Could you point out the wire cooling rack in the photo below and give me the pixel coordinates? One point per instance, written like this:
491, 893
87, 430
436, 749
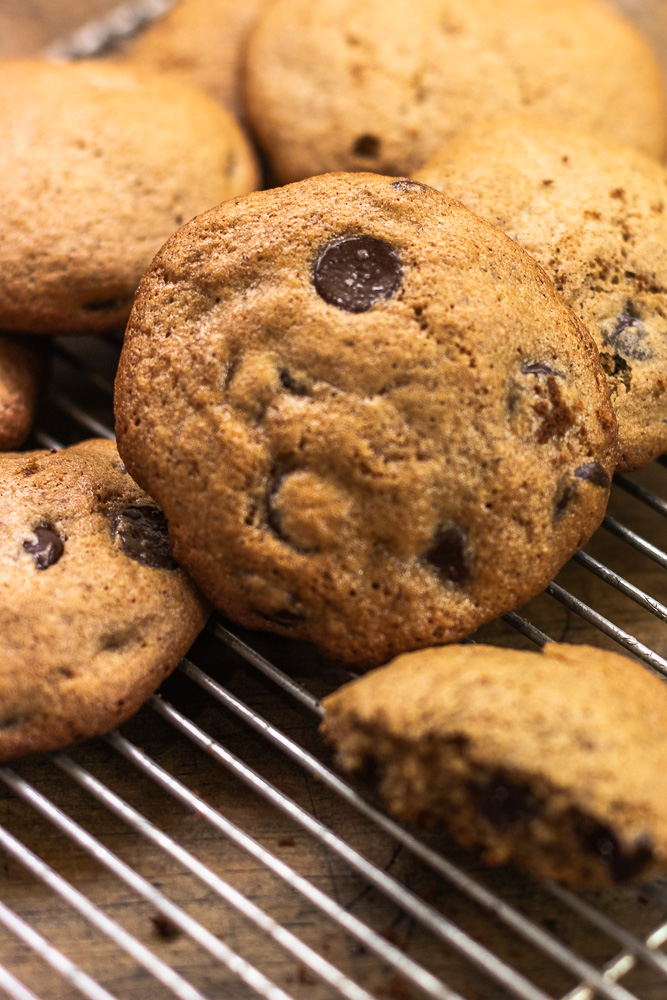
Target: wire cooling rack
210, 849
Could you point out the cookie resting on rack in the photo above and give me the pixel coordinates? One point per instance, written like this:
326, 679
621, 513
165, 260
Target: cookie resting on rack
371, 85
94, 611
23, 369
98, 166
594, 214
555, 761
370, 419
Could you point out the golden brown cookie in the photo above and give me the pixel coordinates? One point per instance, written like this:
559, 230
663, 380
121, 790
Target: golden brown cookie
371, 420
555, 761
204, 42
22, 372
98, 166
94, 612
371, 85
595, 216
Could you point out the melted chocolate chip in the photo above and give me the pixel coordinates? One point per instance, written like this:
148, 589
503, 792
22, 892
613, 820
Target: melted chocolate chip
505, 802
593, 473
538, 368
144, 536
355, 272
292, 385
628, 336
449, 554
565, 499
48, 547
625, 861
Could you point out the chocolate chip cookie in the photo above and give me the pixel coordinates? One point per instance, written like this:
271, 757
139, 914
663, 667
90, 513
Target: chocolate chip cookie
595, 216
94, 612
23, 370
555, 761
204, 42
370, 419
98, 166
372, 85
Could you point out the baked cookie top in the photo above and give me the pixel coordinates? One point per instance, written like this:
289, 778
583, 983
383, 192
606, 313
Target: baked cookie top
369, 417
371, 85
94, 612
22, 371
98, 166
595, 216
554, 760
204, 42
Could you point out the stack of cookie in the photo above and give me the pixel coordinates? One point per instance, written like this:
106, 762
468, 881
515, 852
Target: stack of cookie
380, 402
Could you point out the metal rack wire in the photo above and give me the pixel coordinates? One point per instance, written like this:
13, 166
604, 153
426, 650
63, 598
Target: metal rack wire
211, 850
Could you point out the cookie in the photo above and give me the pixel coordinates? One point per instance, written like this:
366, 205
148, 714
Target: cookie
22, 372
94, 612
379, 86
98, 166
370, 419
555, 761
595, 216
203, 41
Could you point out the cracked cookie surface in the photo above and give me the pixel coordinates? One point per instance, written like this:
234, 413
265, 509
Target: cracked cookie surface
595, 216
369, 417
94, 612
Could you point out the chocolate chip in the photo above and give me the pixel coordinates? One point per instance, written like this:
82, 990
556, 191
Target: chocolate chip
625, 861
292, 385
504, 801
564, 500
48, 547
449, 554
144, 536
538, 368
628, 335
355, 272
593, 473
165, 927
367, 146
403, 184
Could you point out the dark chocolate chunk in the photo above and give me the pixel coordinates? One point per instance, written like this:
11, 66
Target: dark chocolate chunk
504, 801
594, 473
565, 499
625, 860
628, 335
538, 368
47, 548
449, 554
144, 536
355, 272
292, 385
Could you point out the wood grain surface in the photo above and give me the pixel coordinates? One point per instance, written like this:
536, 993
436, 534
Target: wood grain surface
28, 26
